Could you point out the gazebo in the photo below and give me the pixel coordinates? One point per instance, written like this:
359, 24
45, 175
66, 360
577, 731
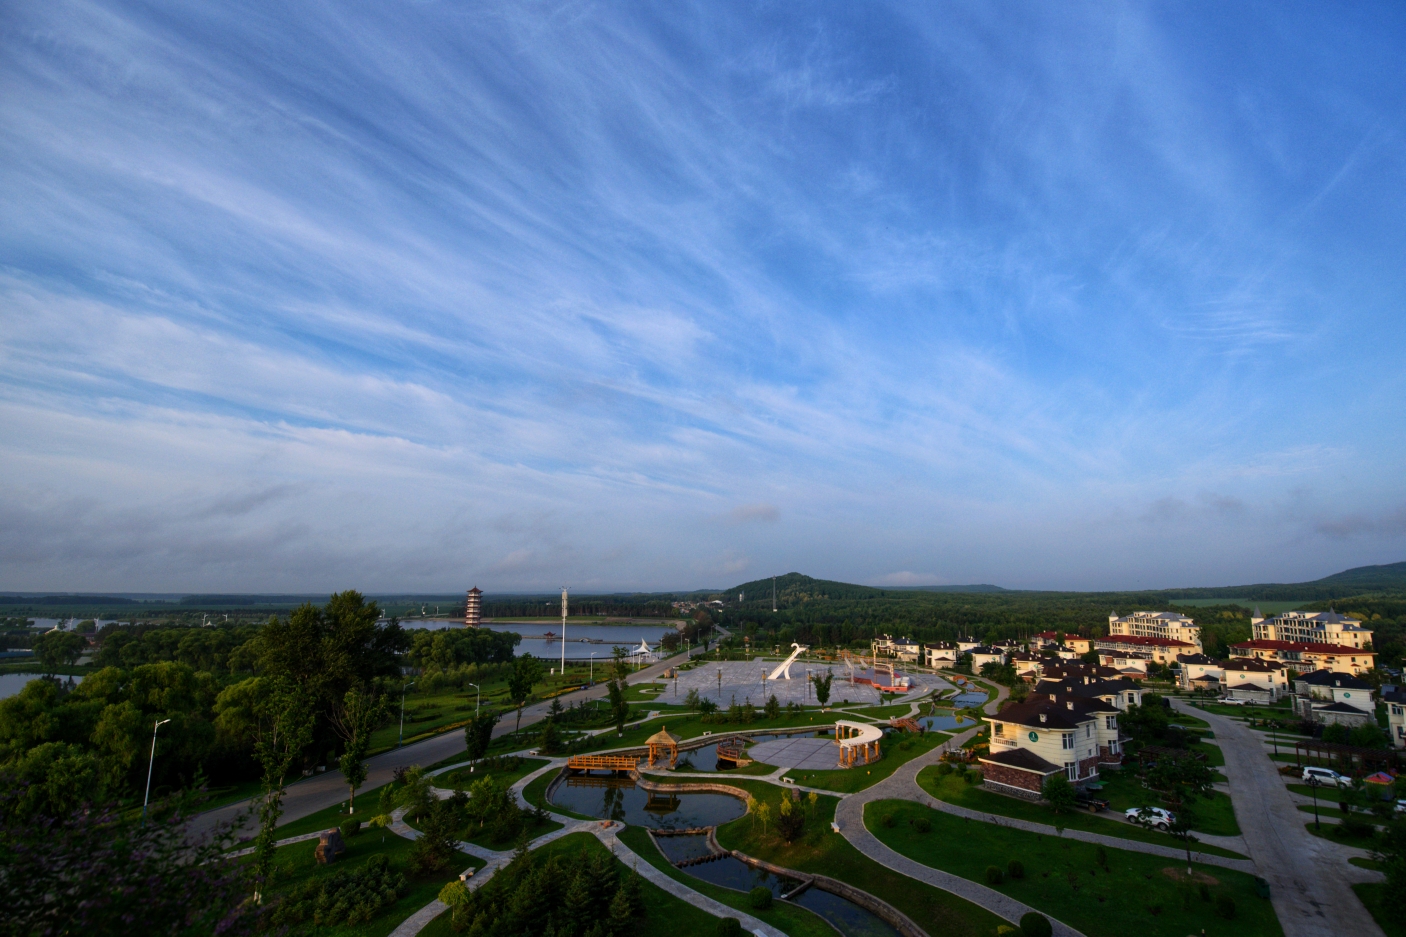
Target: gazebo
661, 742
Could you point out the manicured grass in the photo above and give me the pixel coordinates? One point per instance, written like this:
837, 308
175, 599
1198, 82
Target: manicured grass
1064, 879
1111, 823
532, 831
818, 850
1373, 897
297, 863
1326, 794
1323, 810
883, 712
1372, 864
326, 818
898, 751
1333, 831
1214, 756
461, 778
233, 794
788, 918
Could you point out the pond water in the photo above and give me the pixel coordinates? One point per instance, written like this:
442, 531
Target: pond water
967, 699
846, 917
621, 799
581, 640
947, 722
12, 683
706, 758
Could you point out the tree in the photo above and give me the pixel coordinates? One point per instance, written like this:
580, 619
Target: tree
615, 689
354, 720
790, 820
1183, 818
284, 728
1058, 793
822, 687
773, 708
78, 874
478, 734
56, 649
1390, 851
526, 672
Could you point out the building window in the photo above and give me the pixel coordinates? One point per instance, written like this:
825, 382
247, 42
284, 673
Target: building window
1066, 740
1000, 728
1071, 768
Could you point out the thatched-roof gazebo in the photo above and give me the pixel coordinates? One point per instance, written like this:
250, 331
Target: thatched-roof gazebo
661, 742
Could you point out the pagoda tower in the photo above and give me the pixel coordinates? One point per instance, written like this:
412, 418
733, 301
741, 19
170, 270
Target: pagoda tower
473, 607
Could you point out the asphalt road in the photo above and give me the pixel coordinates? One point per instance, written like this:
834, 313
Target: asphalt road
1311, 894
309, 795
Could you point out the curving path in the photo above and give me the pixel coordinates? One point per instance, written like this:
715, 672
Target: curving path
1310, 891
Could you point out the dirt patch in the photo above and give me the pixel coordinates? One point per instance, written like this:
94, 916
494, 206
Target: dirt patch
1178, 874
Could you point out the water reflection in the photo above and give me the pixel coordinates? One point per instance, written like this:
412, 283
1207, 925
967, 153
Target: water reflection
944, 722
962, 700
622, 799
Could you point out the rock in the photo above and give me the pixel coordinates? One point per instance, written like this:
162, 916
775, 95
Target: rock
329, 846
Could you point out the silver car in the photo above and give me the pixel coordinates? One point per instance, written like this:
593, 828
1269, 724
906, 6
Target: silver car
1153, 817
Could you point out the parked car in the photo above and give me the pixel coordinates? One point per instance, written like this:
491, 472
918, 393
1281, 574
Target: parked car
1089, 802
1154, 817
1325, 776
1228, 701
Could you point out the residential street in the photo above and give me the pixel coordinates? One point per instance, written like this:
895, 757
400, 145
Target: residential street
310, 795
1310, 891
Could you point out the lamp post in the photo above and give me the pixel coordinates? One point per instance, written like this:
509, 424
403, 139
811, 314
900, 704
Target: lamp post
402, 713
592, 680
150, 763
478, 697
1313, 785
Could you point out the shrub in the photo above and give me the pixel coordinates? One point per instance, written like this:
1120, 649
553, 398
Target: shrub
1058, 793
1034, 924
759, 897
1225, 906
944, 768
350, 828
921, 824
1015, 869
993, 875
1356, 825
888, 821
1204, 892
344, 897
729, 927
972, 777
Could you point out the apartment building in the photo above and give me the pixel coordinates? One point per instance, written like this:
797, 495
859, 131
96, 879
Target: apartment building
1046, 735
1199, 672
1161, 650
1073, 642
1172, 625
1311, 628
1309, 655
1259, 680
940, 654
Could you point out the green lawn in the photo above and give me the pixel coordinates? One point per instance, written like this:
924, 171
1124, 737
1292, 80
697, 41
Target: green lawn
898, 751
1334, 832
1373, 895
1214, 756
463, 777
326, 818
1323, 810
531, 830
788, 918
1064, 878
1110, 823
818, 850
297, 863
883, 712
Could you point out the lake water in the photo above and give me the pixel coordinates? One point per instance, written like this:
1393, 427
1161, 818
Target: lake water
947, 722
846, 917
967, 699
613, 798
581, 640
12, 683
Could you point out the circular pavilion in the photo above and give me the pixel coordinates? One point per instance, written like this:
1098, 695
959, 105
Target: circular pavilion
661, 743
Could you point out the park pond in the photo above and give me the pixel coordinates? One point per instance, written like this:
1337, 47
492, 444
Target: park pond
612, 798
963, 700
729, 872
706, 758
946, 722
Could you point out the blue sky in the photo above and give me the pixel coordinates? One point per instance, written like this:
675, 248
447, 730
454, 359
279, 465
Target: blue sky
422, 295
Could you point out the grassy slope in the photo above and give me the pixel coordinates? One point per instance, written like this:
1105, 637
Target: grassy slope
296, 863
1063, 877
793, 920
1373, 896
663, 913
821, 851
463, 777
955, 791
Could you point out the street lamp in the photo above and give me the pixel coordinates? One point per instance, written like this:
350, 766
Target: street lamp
402, 713
478, 697
150, 763
592, 680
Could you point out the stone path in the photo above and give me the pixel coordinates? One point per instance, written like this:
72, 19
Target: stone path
816, 754
1311, 893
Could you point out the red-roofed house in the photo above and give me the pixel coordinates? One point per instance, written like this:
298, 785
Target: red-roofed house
1303, 656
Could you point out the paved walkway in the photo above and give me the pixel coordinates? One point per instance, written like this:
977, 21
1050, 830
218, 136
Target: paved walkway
1310, 891
309, 795
818, 754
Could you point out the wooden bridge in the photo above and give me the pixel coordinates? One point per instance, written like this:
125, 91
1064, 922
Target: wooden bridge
906, 723
603, 762
732, 750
